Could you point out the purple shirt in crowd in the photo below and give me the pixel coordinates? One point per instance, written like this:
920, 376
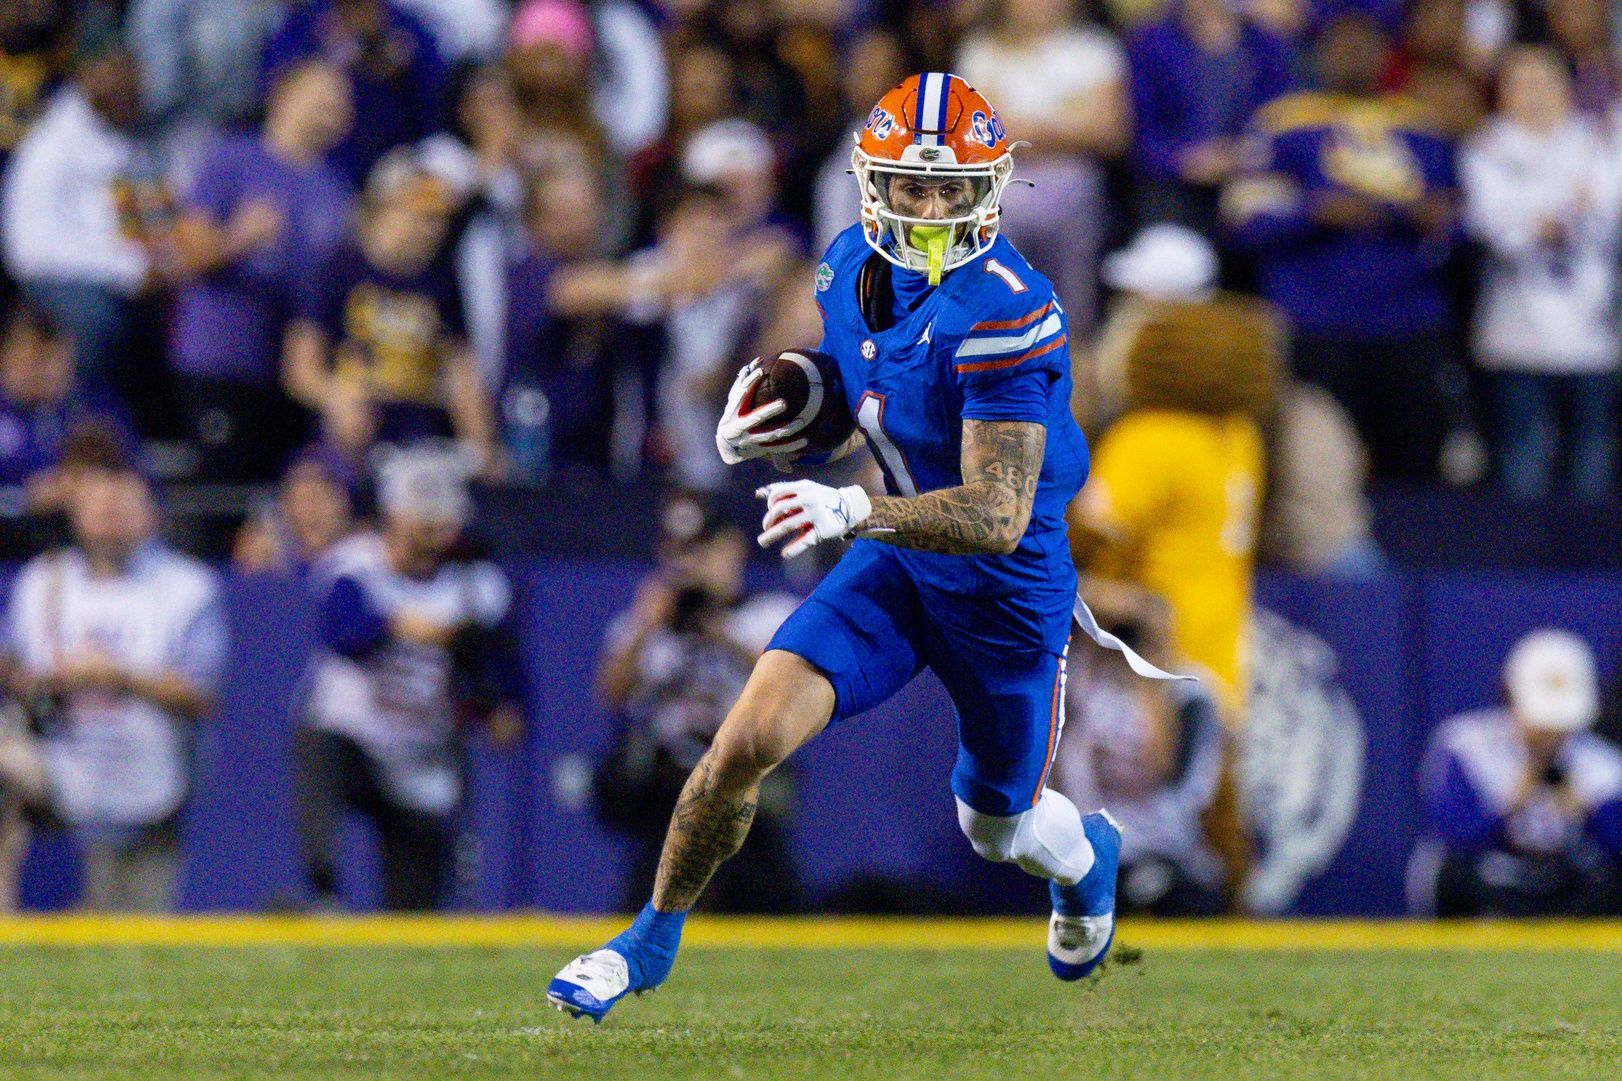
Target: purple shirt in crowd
1182, 95
31, 436
228, 325
567, 359
393, 332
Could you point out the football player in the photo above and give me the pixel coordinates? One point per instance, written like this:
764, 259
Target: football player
952, 353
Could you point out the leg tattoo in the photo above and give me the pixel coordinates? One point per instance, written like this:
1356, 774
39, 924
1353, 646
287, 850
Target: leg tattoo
709, 825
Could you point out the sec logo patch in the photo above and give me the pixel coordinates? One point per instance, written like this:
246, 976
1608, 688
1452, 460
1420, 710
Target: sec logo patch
869, 350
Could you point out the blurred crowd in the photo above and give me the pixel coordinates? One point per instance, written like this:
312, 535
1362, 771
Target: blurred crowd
114, 647
236, 229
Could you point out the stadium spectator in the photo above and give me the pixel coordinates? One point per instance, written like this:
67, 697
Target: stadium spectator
378, 347
117, 644
415, 640
199, 65
1316, 517
702, 91
86, 207
1060, 84
549, 50
1544, 193
930, 31
479, 160
1582, 30
717, 282
42, 405
1197, 75
263, 216
626, 81
1152, 752
1524, 802
671, 666
394, 65
875, 60
34, 40
1164, 263
591, 82
1348, 205
561, 345
1433, 63
737, 159
312, 511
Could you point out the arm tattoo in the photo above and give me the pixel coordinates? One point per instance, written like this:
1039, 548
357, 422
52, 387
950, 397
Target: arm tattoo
707, 827
988, 512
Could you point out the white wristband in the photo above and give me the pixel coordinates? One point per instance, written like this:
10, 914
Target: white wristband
858, 504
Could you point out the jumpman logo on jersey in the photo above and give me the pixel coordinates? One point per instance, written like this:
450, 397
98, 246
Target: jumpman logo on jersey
928, 327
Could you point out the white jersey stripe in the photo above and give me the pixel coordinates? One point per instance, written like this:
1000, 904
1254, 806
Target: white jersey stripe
981, 347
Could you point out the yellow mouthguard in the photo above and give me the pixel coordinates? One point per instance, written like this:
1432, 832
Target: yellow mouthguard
932, 239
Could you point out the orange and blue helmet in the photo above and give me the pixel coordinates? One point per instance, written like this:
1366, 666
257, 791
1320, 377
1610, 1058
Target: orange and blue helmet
936, 127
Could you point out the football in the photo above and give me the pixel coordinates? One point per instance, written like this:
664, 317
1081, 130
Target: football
809, 382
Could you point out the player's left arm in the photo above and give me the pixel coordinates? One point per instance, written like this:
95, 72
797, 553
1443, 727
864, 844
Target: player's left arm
987, 513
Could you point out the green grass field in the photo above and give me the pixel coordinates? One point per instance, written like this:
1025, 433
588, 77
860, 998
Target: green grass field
266, 1012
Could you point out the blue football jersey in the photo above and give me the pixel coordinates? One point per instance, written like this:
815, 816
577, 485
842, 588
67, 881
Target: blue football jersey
988, 343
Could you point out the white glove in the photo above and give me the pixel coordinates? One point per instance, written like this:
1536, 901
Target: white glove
737, 436
810, 513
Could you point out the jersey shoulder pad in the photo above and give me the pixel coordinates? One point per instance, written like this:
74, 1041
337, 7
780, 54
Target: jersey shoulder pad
1004, 316
849, 249
998, 285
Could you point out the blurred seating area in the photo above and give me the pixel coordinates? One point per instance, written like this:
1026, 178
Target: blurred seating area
550, 231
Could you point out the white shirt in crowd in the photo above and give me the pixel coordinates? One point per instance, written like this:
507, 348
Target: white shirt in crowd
631, 95
464, 30
1040, 79
118, 760
701, 335
60, 216
1491, 752
1545, 307
396, 703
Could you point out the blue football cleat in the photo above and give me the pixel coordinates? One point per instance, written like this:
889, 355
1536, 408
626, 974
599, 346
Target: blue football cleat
1083, 923
589, 986
635, 961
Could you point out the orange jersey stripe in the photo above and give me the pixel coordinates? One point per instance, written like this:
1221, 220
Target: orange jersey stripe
993, 365
1013, 324
1053, 734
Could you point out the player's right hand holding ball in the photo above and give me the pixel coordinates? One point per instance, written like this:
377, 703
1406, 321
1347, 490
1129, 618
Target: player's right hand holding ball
741, 435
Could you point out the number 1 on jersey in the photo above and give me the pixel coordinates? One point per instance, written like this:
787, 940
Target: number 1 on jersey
1009, 278
870, 418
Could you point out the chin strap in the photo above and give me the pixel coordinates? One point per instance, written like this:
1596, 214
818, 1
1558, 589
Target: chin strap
931, 240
